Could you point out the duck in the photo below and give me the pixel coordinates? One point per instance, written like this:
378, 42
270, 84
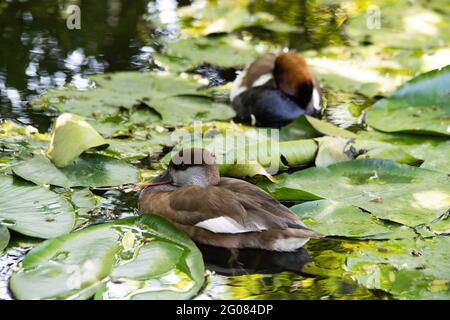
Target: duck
274, 90
220, 211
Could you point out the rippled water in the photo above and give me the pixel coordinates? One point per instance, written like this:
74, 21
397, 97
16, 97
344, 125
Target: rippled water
38, 52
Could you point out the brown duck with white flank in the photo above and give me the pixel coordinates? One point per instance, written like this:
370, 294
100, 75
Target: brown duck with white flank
221, 212
274, 90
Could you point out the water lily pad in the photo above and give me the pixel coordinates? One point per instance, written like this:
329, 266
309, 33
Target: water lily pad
400, 193
337, 219
163, 92
33, 211
420, 106
407, 268
227, 16
4, 237
309, 127
332, 150
88, 170
71, 136
434, 150
84, 201
155, 262
222, 51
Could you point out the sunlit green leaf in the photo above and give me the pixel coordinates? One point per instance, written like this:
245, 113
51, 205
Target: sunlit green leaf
338, 219
71, 136
421, 106
400, 193
88, 170
4, 237
408, 268
161, 263
33, 211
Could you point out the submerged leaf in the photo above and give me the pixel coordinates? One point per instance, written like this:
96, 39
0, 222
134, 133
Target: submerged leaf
71, 136
161, 263
88, 170
32, 210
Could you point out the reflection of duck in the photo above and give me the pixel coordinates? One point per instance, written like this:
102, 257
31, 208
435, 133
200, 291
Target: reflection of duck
275, 90
221, 212
226, 262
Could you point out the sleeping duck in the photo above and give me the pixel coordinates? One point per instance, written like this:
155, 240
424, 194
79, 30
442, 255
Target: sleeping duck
218, 211
274, 90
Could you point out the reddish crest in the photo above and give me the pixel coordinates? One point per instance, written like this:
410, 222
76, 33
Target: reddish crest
293, 76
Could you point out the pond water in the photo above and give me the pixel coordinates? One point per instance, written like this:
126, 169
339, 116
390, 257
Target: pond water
38, 51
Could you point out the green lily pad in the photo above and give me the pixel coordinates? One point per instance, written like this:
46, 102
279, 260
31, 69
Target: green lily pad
163, 92
332, 150
337, 219
133, 258
88, 170
407, 268
309, 127
71, 136
4, 237
227, 16
434, 150
399, 193
222, 51
419, 106
33, 211
84, 201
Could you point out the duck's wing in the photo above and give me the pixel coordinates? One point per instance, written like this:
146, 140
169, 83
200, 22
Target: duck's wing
258, 73
264, 203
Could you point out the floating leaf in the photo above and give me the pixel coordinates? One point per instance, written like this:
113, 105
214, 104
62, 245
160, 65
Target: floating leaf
420, 106
227, 16
72, 136
88, 170
163, 92
162, 263
222, 51
337, 219
309, 127
84, 201
407, 268
4, 237
434, 150
400, 193
32, 210
332, 150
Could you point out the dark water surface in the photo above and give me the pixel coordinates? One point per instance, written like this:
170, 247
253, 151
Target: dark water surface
38, 51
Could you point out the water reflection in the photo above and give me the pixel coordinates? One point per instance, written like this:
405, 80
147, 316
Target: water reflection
38, 51
245, 261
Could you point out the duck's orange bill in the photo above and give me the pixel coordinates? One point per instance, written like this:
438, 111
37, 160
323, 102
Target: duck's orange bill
155, 183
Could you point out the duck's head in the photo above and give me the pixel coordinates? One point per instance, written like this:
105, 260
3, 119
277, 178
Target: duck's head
189, 167
293, 77
194, 166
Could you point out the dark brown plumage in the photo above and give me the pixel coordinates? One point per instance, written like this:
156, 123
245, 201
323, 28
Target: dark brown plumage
274, 90
253, 218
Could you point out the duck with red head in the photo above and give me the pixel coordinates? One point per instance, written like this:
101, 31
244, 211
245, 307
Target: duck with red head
274, 90
218, 211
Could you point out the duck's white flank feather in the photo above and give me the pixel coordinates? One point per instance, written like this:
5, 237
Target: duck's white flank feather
289, 244
226, 225
262, 79
315, 100
237, 88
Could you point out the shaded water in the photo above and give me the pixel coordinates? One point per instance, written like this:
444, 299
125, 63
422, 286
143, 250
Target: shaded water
38, 52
